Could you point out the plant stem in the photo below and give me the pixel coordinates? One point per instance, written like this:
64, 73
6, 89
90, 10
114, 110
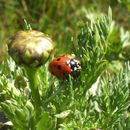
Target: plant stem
33, 83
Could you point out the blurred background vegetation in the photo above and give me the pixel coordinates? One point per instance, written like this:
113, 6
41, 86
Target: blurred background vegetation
58, 18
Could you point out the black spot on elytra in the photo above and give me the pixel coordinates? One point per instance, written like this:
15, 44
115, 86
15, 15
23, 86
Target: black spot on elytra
58, 59
63, 73
59, 67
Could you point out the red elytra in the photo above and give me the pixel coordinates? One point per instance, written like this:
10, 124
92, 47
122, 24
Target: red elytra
64, 65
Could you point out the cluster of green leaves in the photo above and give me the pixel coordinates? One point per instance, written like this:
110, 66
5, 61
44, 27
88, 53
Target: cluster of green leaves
72, 103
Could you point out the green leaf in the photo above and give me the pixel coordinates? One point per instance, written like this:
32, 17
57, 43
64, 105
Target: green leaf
63, 114
45, 123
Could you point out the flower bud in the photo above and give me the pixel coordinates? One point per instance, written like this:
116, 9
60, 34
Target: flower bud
31, 48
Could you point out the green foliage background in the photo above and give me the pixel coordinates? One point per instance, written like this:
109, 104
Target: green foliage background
98, 36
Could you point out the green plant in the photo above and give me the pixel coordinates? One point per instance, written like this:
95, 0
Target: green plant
71, 103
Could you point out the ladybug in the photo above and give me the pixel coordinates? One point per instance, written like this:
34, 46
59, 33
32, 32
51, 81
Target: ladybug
64, 65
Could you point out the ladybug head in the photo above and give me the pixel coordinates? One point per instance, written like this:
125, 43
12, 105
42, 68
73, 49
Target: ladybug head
75, 67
